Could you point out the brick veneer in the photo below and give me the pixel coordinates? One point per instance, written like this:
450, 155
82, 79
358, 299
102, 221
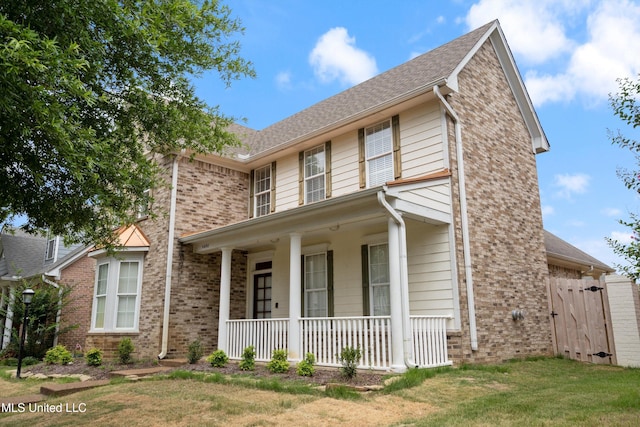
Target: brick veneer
80, 277
505, 220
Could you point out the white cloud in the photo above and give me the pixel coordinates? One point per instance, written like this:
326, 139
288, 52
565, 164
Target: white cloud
591, 43
571, 184
335, 57
613, 212
283, 80
533, 31
623, 237
548, 210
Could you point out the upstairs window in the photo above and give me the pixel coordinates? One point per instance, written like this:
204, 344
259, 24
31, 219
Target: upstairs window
51, 249
314, 179
262, 190
143, 205
379, 153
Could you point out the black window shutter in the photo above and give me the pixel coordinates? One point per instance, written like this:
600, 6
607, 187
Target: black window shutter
330, 310
252, 182
302, 284
301, 178
364, 249
362, 169
273, 187
397, 160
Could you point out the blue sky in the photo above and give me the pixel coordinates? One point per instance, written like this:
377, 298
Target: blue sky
569, 52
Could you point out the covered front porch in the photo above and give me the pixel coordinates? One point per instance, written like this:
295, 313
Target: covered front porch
372, 270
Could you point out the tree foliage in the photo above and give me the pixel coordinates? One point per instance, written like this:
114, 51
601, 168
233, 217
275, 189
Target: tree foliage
43, 324
626, 106
91, 91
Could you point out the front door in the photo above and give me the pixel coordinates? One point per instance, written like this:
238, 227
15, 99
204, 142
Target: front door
262, 296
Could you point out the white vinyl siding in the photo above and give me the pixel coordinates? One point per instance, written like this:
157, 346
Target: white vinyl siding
422, 141
344, 156
287, 183
430, 269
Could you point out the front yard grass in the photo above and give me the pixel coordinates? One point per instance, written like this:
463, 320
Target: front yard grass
541, 392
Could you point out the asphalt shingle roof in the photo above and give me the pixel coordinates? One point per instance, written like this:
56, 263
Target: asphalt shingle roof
557, 247
23, 254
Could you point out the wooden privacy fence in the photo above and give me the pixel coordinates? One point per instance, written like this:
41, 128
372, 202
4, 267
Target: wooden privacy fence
581, 320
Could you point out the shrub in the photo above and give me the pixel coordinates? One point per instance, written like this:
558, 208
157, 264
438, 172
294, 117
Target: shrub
93, 357
10, 361
218, 359
305, 368
278, 363
30, 360
248, 362
349, 357
58, 355
125, 348
195, 352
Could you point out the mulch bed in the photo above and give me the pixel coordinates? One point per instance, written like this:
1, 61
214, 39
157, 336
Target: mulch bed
322, 375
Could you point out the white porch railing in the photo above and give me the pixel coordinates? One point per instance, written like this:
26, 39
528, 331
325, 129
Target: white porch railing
430, 341
327, 337
265, 335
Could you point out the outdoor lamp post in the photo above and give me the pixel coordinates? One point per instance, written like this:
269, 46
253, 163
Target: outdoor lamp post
27, 296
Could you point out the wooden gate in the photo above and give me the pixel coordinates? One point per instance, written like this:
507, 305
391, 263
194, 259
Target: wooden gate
581, 325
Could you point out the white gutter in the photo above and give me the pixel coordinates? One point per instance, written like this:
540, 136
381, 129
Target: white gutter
404, 282
169, 270
473, 331
59, 312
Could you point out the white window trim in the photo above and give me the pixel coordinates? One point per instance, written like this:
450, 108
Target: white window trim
143, 208
308, 178
256, 193
52, 244
368, 159
111, 306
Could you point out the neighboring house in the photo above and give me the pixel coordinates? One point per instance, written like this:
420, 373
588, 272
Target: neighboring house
30, 257
567, 261
401, 216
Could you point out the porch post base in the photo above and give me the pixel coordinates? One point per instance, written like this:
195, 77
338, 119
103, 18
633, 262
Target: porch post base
399, 369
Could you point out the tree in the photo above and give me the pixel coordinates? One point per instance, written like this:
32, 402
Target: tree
92, 92
626, 105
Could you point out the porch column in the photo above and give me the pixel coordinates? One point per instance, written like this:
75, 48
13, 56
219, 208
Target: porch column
395, 292
225, 297
295, 295
8, 321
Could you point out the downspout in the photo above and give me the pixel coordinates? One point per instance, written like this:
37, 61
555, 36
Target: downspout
59, 313
404, 282
169, 270
473, 331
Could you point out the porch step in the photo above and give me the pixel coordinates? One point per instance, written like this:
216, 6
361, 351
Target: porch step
10, 404
173, 362
143, 372
64, 389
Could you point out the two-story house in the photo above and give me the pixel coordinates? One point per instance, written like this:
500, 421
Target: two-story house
401, 216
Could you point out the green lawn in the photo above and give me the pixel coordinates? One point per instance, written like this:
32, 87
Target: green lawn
544, 392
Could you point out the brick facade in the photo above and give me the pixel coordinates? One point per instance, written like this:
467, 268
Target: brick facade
505, 219
80, 277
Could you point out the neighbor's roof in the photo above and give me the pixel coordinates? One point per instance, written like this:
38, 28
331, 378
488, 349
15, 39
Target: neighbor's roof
564, 251
22, 254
